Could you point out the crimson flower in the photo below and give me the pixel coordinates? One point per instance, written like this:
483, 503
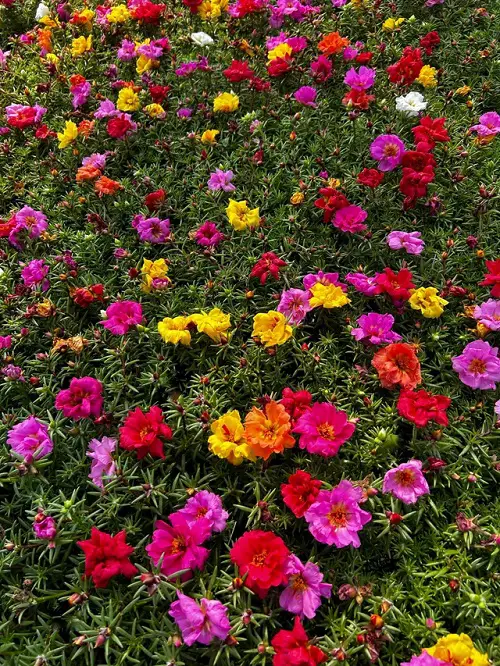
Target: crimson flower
396, 285
331, 201
142, 432
420, 407
407, 68
238, 71
413, 185
268, 264
262, 557
293, 648
279, 66
429, 132
107, 556
158, 93
300, 492
154, 200
429, 42
492, 278
295, 403
370, 177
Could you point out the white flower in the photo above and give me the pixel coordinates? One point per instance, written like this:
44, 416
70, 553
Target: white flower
411, 103
41, 11
201, 39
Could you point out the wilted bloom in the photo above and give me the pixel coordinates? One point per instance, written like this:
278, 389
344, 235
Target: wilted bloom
122, 316
323, 429
271, 328
144, 432
107, 556
262, 557
30, 438
397, 365
208, 235
302, 595
375, 328
208, 506
103, 465
221, 180
306, 95
488, 314
406, 482
294, 304
388, 150
83, 399
295, 403
321, 69
200, 622
411, 241
478, 366
411, 104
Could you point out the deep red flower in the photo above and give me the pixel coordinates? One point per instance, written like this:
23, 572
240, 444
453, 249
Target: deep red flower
279, 66
429, 42
396, 285
154, 200
359, 99
331, 201
492, 278
142, 432
321, 69
147, 12
261, 556
259, 84
238, 71
293, 648
107, 556
407, 68
420, 407
158, 93
85, 296
370, 177
364, 58
118, 126
23, 118
295, 403
300, 492
413, 185
192, 4
417, 160
43, 132
268, 264
7, 227
429, 132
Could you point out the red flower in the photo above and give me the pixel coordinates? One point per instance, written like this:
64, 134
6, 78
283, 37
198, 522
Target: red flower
420, 407
429, 132
261, 556
359, 99
238, 71
397, 365
430, 41
142, 431
85, 296
279, 66
147, 12
396, 285
23, 118
7, 227
364, 58
107, 556
158, 93
268, 264
295, 403
300, 492
370, 177
407, 68
332, 201
43, 132
294, 649
192, 4
492, 277
154, 200
259, 84
413, 185
118, 126
418, 160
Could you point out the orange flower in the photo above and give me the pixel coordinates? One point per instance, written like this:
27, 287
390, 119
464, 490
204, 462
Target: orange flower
268, 431
397, 364
333, 43
86, 127
89, 172
44, 39
107, 186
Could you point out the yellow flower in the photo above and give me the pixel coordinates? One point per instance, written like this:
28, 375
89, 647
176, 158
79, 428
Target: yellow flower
228, 439
52, 58
392, 24
118, 14
144, 64
327, 295
226, 102
240, 216
297, 198
209, 136
175, 330
458, 650
68, 135
152, 270
209, 10
81, 45
214, 324
427, 77
85, 16
49, 22
279, 51
155, 111
272, 328
426, 300
463, 90
128, 100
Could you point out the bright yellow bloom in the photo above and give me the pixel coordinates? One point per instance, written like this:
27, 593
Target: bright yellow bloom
209, 136
463, 90
209, 10
458, 650
68, 135
152, 270
128, 100
428, 76
392, 24
214, 324
240, 216
49, 22
144, 64
426, 300
272, 328
84, 17
52, 58
118, 14
81, 45
226, 102
228, 439
155, 111
279, 51
327, 296
175, 330
297, 198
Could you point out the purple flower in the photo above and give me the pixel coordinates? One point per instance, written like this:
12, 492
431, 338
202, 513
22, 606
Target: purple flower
80, 94
30, 438
13, 372
97, 160
424, 659
185, 113
349, 53
306, 96
489, 124
406, 482
126, 51
339, 3
151, 51
365, 284
200, 623
488, 314
35, 273
221, 180
302, 595
106, 109
325, 278
5, 341
350, 219
102, 464
360, 80
294, 304
478, 365
152, 229
45, 527
376, 328
388, 149
433, 3
208, 235
205, 505
187, 68
410, 241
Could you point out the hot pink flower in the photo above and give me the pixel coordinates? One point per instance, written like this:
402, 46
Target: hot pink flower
323, 429
122, 316
302, 595
30, 438
207, 506
83, 399
350, 219
200, 622
406, 482
306, 95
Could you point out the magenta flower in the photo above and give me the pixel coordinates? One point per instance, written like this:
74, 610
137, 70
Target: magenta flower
365, 284
488, 314
185, 113
325, 278
81, 93
302, 595
180, 545
201, 622
410, 241
489, 124
323, 429
406, 482
388, 150
103, 465
376, 329
45, 527
35, 273
5, 341
360, 80
30, 439
321, 69
497, 407
424, 659
83, 399
433, 3
207, 506
221, 180
122, 316
13, 372
306, 95
478, 366
350, 219
294, 304
152, 229
33, 221
335, 517
127, 51
208, 235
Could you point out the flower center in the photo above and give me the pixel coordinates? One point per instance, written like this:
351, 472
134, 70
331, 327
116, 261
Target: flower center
259, 559
202, 511
405, 477
477, 366
177, 546
337, 516
298, 583
390, 150
326, 431
401, 364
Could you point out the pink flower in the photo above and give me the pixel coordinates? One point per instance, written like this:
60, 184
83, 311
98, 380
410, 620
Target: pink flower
478, 366
122, 316
45, 527
488, 314
325, 278
335, 517
406, 482
360, 80
424, 659
207, 506
200, 622
30, 439
365, 284
152, 229
388, 149
376, 329
321, 69
180, 545
294, 304
489, 124
302, 595
350, 219
404, 240
221, 180
323, 429
35, 273
5, 341
208, 235
82, 400
306, 95
103, 465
